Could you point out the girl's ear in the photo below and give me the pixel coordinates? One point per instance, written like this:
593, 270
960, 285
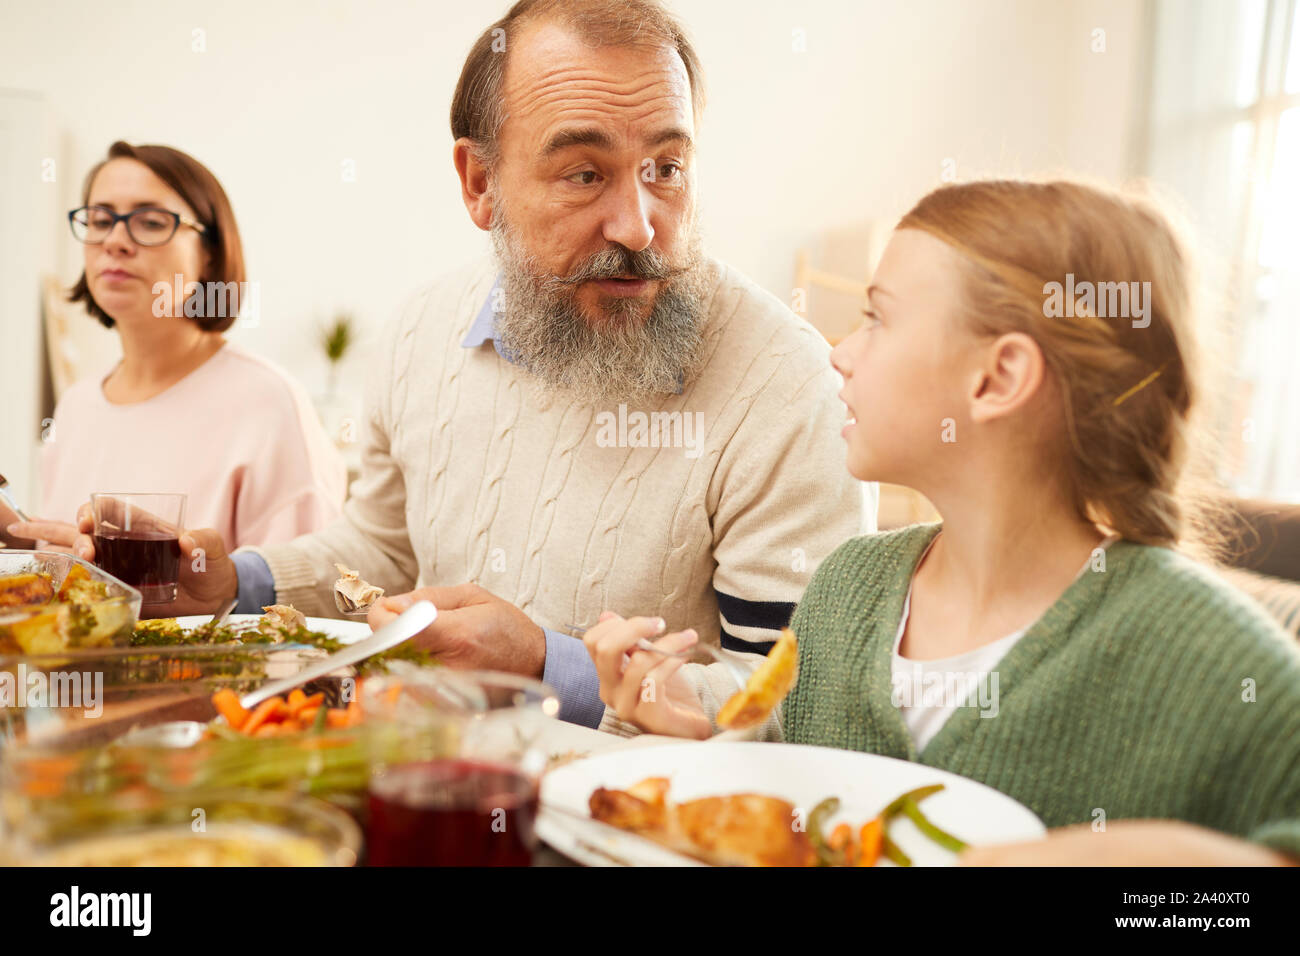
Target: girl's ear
1009, 376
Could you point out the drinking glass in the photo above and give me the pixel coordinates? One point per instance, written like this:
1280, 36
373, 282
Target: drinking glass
137, 540
454, 770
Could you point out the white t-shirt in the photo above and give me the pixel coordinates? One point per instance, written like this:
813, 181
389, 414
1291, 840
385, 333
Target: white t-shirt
927, 692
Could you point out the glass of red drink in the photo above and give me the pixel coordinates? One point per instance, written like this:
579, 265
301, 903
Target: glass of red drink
454, 770
137, 540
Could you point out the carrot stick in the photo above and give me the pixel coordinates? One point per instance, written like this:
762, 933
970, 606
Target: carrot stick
869, 840
304, 702
353, 712
261, 714
226, 701
840, 837
296, 698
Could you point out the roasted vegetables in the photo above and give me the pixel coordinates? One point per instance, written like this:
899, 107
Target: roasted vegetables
284, 715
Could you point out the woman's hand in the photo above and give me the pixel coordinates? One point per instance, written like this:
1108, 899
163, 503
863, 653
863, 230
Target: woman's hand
44, 534
1128, 843
643, 688
207, 575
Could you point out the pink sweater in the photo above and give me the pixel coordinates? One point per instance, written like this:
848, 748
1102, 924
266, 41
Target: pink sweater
237, 435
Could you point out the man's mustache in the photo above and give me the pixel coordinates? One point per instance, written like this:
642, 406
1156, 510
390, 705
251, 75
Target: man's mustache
619, 261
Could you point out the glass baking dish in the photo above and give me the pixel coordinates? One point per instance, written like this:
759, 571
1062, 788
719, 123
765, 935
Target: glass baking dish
46, 627
92, 693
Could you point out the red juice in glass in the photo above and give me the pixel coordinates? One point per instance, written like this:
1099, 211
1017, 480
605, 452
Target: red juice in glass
452, 812
147, 561
136, 539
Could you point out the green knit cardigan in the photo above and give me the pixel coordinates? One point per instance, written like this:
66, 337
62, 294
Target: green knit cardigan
1130, 696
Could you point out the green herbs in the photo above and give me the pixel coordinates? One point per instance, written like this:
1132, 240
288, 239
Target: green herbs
167, 633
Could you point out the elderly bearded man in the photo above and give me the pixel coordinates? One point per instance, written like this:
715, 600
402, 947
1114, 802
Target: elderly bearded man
600, 417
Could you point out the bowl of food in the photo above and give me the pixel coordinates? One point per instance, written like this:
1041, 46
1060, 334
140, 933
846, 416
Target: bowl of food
52, 602
141, 827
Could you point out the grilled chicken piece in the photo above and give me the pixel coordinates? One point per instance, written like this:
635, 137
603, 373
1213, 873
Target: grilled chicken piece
744, 829
641, 807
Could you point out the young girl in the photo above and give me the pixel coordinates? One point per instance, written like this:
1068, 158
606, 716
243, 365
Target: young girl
1084, 666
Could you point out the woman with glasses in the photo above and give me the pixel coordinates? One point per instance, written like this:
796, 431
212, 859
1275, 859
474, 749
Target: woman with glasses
184, 410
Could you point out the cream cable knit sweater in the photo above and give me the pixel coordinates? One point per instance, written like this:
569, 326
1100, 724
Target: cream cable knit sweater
467, 476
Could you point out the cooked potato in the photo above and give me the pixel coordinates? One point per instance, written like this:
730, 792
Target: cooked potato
767, 686
24, 590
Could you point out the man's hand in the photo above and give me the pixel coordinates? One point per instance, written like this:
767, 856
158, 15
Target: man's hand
475, 629
1128, 843
207, 575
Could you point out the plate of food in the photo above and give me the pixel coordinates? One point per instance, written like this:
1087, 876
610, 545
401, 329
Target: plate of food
274, 620
768, 804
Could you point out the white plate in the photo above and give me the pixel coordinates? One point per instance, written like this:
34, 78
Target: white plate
805, 776
346, 632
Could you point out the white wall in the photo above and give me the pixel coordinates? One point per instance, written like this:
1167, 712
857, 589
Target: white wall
794, 143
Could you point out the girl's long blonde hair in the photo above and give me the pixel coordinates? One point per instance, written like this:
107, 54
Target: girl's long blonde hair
1132, 395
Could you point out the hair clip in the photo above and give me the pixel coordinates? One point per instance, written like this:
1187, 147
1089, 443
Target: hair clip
1140, 385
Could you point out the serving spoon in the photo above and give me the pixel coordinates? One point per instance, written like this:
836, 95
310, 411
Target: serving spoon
186, 733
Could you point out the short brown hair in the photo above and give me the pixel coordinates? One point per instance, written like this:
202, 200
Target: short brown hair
203, 193
478, 108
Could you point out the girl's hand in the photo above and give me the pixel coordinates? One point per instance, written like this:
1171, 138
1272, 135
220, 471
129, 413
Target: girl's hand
1128, 843
643, 688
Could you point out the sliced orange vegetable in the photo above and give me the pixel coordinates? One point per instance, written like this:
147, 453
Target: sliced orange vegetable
269, 730
263, 713
840, 837
296, 698
334, 717
354, 712
307, 716
304, 702
870, 840
226, 701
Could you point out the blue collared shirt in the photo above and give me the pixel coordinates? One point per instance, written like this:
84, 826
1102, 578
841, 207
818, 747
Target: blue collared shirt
569, 668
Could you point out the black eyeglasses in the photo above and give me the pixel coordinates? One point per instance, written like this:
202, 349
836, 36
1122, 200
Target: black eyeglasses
146, 226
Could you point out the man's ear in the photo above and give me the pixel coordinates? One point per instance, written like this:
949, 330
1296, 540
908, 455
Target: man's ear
473, 182
1011, 374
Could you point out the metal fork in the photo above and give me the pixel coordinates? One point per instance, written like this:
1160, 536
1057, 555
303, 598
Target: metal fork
9, 499
738, 674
